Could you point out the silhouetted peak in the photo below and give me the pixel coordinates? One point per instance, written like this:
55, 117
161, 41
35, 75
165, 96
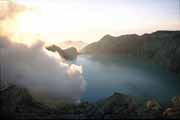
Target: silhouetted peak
129, 36
107, 37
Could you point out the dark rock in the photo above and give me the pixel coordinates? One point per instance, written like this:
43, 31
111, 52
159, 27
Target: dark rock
71, 53
18, 103
176, 101
68, 54
119, 105
55, 48
172, 112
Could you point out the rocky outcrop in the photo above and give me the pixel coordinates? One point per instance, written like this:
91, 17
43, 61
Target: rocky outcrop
71, 53
55, 48
153, 105
119, 106
68, 54
17, 103
173, 110
162, 47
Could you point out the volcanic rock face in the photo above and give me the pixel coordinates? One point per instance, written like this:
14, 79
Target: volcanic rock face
162, 47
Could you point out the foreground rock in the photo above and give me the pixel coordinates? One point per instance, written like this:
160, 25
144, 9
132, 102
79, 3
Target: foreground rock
18, 103
68, 54
173, 110
162, 47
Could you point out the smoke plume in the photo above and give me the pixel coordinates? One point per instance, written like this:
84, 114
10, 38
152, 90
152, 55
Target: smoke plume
40, 71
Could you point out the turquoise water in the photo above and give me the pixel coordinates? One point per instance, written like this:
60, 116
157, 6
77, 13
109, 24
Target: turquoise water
128, 75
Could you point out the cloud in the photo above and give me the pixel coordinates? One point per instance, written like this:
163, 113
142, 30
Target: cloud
40, 71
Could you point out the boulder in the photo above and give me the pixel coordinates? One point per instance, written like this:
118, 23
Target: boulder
153, 105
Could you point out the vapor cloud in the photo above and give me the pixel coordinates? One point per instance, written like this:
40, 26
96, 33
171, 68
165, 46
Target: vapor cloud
40, 71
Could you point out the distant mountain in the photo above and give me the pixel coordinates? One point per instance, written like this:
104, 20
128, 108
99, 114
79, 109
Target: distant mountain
77, 44
162, 47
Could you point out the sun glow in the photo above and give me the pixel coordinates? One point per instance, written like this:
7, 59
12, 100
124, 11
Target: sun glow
36, 22
20, 26
24, 28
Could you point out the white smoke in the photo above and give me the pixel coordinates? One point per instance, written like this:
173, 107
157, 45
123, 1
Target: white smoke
40, 71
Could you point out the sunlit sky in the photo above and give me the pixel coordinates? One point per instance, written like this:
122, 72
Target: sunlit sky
89, 20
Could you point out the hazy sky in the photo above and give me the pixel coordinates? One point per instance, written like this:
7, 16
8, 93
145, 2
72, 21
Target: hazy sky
89, 20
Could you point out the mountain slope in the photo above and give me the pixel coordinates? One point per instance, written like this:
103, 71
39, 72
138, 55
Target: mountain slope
162, 47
